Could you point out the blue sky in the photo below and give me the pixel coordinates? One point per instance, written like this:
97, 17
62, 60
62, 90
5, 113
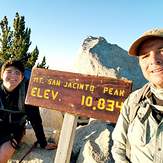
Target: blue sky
60, 26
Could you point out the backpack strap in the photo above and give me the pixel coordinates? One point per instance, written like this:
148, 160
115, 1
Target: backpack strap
137, 101
22, 93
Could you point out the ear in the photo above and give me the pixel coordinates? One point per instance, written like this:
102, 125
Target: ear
22, 76
1, 75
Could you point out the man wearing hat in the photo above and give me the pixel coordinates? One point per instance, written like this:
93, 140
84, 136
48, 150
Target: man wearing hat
14, 113
138, 135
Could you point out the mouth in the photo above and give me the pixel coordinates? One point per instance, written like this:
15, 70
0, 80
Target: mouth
158, 70
13, 81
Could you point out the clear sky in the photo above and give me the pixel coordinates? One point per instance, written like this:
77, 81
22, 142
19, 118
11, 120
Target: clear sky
60, 26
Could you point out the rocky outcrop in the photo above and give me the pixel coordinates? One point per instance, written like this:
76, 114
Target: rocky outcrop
93, 143
98, 57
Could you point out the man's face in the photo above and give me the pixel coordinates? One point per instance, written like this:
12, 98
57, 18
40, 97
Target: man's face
11, 78
151, 61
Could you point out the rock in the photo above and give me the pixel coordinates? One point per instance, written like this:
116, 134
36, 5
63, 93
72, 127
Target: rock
93, 143
98, 57
51, 118
37, 155
29, 137
52, 121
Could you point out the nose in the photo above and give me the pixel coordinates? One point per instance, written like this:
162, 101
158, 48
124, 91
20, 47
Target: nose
13, 73
154, 58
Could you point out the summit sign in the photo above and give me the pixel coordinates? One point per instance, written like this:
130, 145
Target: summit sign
78, 94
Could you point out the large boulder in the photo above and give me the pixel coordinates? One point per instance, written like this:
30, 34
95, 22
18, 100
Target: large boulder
98, 57
93, 143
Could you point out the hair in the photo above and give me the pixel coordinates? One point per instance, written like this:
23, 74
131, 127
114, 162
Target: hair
15, 63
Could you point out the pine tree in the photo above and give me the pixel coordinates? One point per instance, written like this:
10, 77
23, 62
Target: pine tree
43, 63
5, 40
15, 44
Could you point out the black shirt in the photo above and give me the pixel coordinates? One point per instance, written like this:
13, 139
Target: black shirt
9, 101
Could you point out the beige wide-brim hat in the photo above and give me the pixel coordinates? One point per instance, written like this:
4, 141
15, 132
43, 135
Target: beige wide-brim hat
133, 50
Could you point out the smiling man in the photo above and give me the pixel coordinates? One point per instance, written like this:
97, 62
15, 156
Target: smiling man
14, 113
138, 135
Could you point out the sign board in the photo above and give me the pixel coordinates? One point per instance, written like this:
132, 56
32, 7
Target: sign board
84, 95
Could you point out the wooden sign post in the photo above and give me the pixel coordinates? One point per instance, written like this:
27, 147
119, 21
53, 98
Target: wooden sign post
77, 94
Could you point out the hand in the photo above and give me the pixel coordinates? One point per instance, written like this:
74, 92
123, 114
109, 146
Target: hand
51, 146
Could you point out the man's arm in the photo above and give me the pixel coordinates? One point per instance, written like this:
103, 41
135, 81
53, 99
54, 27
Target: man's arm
36, 122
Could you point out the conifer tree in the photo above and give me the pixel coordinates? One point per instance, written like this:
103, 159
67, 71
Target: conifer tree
15, 43
43, 63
